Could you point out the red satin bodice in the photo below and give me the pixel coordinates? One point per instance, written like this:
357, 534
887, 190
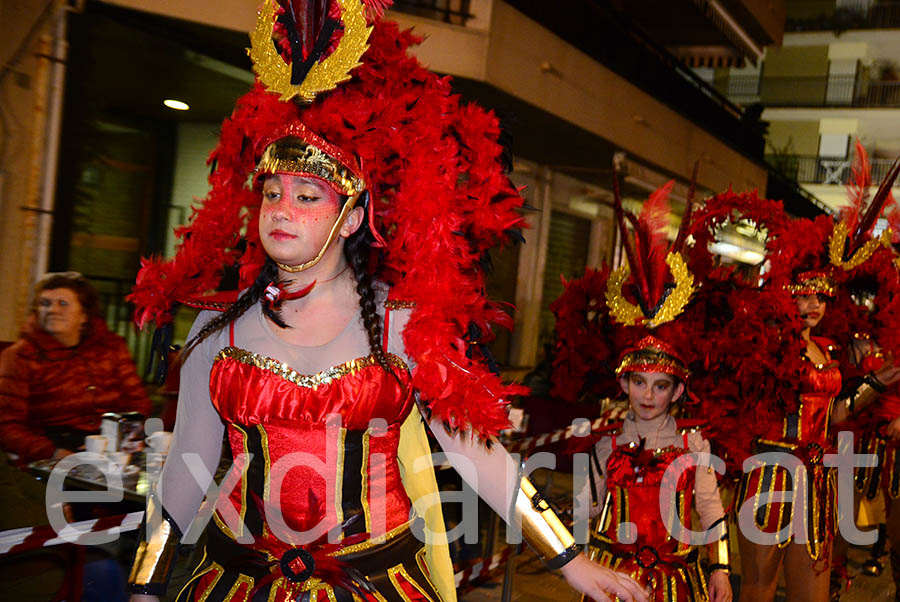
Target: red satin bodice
821, 384
636, 479
313, 439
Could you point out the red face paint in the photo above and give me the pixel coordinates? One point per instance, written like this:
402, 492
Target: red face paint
296, 216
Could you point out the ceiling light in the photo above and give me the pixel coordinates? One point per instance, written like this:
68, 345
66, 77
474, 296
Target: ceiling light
176, 104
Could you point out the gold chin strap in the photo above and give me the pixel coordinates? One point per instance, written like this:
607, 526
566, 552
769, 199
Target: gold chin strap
542, 529
348, 207
718, 551
156, 552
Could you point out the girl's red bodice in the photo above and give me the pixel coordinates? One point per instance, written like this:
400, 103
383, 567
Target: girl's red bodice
636, 480
324, 446
821, 384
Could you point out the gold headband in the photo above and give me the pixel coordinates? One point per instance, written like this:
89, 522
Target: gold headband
652, 360
293, 155
814, 285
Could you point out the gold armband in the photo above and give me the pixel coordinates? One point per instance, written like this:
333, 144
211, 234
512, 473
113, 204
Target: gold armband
867, 392
542, 529
156, 552
718, 551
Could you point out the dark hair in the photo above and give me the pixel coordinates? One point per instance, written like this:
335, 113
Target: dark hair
75, 282
357, 252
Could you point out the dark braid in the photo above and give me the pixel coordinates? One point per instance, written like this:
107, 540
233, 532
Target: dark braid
357, 251
267, 275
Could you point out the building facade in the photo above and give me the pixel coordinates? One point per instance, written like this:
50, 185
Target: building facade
95, 171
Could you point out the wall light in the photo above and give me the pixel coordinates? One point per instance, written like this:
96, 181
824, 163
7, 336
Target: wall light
176, 104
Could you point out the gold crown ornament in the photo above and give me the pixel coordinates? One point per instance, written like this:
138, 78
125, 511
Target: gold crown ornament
320, 75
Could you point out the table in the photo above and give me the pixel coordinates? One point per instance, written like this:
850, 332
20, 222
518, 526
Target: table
87, 477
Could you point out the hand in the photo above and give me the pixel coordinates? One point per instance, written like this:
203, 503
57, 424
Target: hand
143, 598
601, 583
61, 453
893, 428
889, 373
719, 587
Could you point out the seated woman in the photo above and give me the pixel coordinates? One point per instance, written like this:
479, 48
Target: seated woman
64, 373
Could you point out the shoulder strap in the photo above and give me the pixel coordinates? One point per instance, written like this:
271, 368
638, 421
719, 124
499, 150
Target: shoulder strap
386, 327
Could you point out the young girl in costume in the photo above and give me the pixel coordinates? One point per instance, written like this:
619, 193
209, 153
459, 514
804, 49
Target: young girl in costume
632, 463
357, 216
627, 323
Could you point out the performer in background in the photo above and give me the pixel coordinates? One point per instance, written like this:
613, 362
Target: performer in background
785, 393
357, 214
629, 326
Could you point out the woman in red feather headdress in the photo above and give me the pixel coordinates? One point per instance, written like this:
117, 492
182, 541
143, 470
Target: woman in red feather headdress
357, 207
787, 390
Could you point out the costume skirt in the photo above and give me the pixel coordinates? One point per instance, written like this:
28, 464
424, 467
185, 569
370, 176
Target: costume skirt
670, 578
814, 518
884, 475
391, 571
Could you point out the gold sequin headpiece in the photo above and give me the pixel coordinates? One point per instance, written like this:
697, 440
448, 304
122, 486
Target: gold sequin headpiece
301, 153
814, 282
651, 354
304, 77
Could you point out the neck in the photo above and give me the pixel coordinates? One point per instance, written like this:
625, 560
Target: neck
67, 339
324, 274
649, 427
805, 334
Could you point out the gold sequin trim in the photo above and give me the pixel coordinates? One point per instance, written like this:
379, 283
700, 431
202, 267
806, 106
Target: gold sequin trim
305, 380
399, 304
401, 570
371, 543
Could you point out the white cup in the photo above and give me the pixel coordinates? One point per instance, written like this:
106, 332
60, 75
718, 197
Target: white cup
120, 459
159, 441
95, 443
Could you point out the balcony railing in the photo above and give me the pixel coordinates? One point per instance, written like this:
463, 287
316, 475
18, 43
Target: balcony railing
816, 15
834, 90
823, 170
455, 12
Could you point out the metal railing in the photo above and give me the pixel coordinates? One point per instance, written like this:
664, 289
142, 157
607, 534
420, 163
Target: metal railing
455, 12
823, 170
119, 316
815, 15
834, 90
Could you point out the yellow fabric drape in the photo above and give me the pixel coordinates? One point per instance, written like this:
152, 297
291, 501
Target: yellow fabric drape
421, 486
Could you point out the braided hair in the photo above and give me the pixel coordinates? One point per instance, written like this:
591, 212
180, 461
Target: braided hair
357, 252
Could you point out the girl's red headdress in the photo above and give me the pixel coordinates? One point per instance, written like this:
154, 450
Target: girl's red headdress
432, 168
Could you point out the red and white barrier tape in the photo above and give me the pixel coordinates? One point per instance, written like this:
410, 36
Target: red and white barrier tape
481, 569
29, 538
532, 444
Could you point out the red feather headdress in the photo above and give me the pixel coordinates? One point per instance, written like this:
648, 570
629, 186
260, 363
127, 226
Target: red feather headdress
438, 193
604, 320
